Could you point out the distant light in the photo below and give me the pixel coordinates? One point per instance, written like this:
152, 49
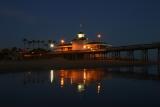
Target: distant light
62, 82
62, 41
80, 87
99, 35
52, 75
51, 45
84, 75
98, 88
84, 46
80, 35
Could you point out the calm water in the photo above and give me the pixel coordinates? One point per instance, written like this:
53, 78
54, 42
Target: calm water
103, 87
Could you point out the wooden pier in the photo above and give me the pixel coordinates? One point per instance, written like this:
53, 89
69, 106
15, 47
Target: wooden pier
114, 53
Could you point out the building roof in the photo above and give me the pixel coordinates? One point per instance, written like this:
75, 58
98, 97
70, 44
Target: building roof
81, 33
96, 43
83, 38
65, 44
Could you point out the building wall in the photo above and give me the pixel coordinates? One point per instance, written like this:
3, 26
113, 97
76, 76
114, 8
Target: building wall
78, 44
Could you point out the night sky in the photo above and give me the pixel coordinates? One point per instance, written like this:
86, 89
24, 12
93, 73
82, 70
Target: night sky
120, 22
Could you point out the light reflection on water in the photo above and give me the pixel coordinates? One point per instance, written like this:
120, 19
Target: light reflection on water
79, 78
127, 86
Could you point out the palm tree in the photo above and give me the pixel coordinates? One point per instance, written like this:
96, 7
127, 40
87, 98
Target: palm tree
46, 46
42, 42
24, 42
49, 41
29, 44
38, 41
33, 43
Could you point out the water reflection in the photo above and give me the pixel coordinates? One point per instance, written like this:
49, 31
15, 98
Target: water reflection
105, 86
52, 75
80, 79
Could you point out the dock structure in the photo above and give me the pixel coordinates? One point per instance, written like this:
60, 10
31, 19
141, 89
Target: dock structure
114, 53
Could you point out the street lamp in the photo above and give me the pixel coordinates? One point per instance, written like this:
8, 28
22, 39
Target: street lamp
99, 37
51, 45
62, 41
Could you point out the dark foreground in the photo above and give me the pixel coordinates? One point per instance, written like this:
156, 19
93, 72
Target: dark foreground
60, 63
96, 87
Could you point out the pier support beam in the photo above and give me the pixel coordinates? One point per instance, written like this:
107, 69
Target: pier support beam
106, 55
145, 55
131, 55
158, 56
117, 54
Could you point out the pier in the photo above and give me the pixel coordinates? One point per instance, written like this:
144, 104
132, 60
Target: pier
115, 53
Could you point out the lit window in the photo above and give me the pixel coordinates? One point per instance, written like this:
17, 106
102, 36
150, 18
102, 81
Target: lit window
80, 35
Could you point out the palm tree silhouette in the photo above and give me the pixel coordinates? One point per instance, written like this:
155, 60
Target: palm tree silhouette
49, 41
38, 42
29, 44
33, 43
42, 42
24, 42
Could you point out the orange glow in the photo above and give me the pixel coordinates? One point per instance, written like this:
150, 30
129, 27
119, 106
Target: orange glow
84, 46
62, 82
84, 77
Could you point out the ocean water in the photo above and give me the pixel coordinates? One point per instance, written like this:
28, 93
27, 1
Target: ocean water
98, 87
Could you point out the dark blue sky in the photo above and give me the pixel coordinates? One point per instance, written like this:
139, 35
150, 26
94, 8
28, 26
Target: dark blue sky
120, 21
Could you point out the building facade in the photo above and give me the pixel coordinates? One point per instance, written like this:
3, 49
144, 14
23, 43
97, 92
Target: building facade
81, 43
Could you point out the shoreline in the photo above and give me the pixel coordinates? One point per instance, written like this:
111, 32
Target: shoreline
59, 63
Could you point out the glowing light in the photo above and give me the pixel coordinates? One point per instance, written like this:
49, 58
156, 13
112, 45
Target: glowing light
80, 87
62, 82
98, 88
99, 35
84, 75
62, 41
84, 46
52, 76
80, 35
52, 45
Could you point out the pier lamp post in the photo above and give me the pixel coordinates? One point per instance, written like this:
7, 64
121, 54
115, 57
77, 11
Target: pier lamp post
62, 41
51, 45
99, 37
